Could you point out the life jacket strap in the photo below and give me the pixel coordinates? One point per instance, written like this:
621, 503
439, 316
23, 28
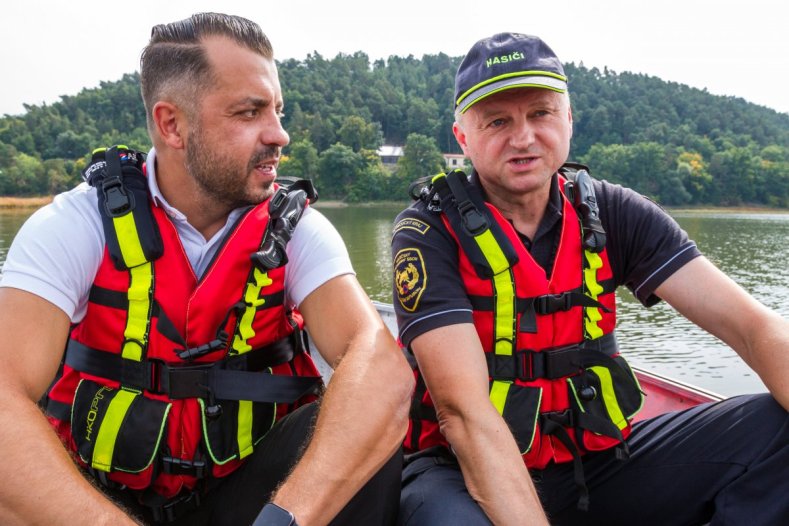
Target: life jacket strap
554, 423
552, 364
181, 466
234, 378
285, 210
165, 510
57, 410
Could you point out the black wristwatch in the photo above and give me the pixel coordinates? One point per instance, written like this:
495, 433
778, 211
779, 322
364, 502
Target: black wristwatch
273, 515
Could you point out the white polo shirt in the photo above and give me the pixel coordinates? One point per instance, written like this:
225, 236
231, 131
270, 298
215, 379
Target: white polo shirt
58, 250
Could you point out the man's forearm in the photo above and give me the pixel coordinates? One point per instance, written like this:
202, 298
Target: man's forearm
767, 352
40, 483
361, 424
493, 470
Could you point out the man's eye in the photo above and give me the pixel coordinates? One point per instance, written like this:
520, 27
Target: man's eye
249, 114
496, 123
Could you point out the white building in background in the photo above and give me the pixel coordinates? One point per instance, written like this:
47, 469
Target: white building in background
390, 154
454, 160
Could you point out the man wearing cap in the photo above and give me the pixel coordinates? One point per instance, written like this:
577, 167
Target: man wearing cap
504, 283
179, 288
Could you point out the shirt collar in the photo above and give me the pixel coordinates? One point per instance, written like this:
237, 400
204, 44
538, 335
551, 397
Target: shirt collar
156, 193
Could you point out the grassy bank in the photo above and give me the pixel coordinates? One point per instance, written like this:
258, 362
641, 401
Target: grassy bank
24, 202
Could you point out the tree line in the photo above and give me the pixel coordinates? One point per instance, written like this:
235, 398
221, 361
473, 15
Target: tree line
678, 145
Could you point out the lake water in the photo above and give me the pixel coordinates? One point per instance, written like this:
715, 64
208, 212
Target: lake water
751, 248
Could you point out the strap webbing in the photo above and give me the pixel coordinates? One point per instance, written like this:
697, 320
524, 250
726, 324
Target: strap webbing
236, 378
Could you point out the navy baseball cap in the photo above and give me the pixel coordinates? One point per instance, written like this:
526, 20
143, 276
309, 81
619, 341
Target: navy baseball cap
505, 61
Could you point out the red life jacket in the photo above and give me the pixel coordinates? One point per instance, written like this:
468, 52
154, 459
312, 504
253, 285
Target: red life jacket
555, 372
170, 375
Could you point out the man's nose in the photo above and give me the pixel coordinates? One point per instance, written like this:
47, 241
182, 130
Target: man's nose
274, 133
523, 135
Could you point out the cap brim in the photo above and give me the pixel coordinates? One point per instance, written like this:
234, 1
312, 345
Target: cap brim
526, 81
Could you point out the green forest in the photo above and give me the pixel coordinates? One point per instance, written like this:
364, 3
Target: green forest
679, 145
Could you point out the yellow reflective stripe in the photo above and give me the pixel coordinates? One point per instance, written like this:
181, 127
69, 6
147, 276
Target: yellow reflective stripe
593, 290
503, 292
244, 434
590, 323
492, 252
129, 240
594, 263
498, 394
504, 311
252, 300
110, 425
609, 396
139, 294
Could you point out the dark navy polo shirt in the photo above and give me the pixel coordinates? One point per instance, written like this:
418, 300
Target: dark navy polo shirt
645, 246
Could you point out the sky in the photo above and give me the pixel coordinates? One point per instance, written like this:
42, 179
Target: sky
736, 48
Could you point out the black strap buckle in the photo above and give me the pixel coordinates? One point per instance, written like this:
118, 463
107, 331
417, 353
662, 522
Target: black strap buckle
564, 418
118, 201
474, 222
181, 466
214, 345
551, 303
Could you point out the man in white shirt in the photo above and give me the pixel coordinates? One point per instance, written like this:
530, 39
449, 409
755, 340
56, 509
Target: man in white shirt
213, 104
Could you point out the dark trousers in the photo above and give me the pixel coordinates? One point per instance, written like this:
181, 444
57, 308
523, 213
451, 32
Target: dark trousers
725, 463
237, 499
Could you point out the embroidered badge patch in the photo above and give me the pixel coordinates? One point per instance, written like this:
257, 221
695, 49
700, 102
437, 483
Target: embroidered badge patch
411, 224
410, 277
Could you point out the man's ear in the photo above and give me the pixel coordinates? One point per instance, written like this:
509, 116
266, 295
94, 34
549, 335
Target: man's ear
460, 137
170, 123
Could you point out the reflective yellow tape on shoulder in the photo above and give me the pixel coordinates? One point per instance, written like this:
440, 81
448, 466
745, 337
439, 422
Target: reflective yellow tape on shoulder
129, 240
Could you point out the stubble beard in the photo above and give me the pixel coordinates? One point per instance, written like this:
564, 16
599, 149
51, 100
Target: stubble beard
222, 177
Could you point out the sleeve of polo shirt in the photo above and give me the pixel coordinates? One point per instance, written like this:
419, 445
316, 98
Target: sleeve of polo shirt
427, 289
645, 244
57, 252
316, 254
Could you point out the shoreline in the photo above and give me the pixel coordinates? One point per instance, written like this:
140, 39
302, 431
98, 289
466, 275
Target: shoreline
13, 202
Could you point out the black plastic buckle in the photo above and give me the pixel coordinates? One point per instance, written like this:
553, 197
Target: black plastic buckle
181, 466
561, 362
474, 222
214, 345
551, 303
564, 418
117, 201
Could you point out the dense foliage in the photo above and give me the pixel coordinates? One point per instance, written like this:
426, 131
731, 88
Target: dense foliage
677, 144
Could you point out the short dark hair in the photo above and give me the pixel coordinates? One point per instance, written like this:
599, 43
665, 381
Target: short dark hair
174, 63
